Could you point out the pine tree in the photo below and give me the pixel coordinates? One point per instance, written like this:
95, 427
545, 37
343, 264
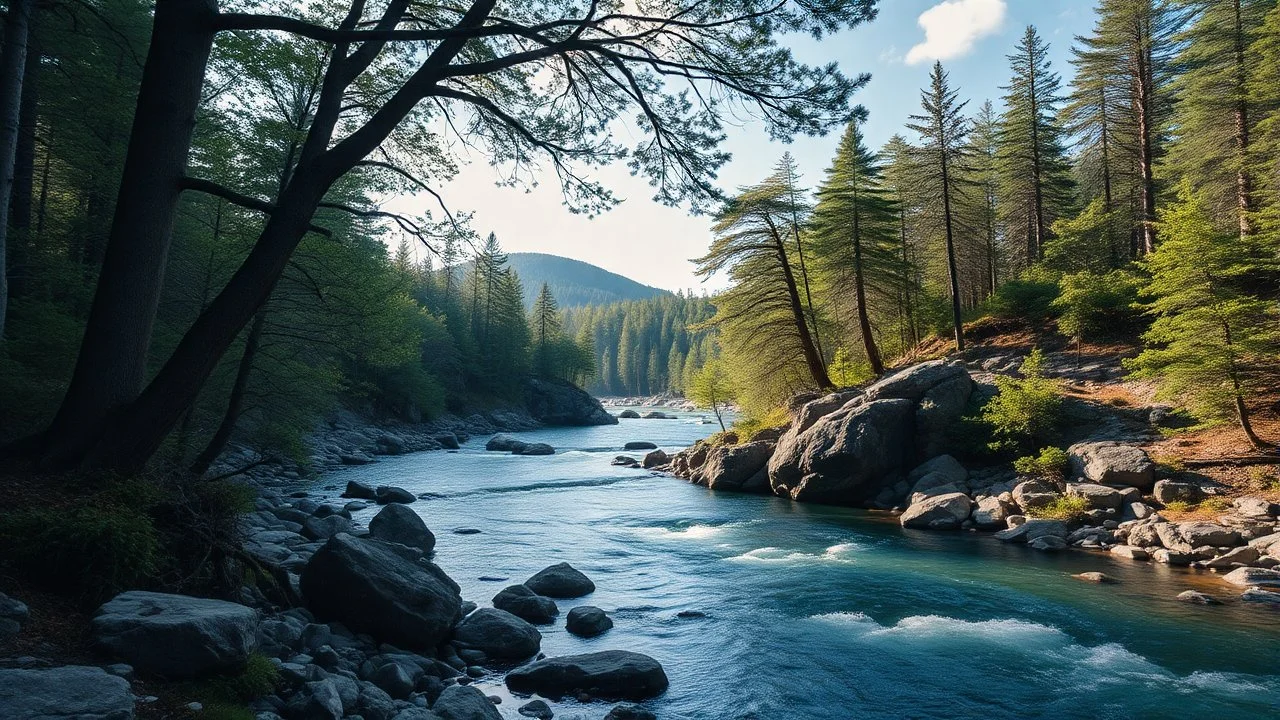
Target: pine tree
855, 229
1263, 86
943, 128
982, 206
545, 324
1035, 184
1213, 344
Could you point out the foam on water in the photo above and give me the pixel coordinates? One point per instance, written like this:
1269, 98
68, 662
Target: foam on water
841, 553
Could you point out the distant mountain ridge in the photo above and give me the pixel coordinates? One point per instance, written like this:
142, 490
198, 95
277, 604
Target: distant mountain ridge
575, 283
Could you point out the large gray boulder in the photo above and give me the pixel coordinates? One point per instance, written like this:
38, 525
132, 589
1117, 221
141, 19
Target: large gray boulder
64, 693
525, 604
463, 702
176, 636
1253, 577
561, 580
812, 411
939, 389
847, 456
736, 467
1111, 463
612, 674
398, 523
990, 513
1033, 494
560, 402
938, 512
498, 634
1032, 529
384, 589
1199, 534
504, 443
1167, 491
944, 466
1099, 497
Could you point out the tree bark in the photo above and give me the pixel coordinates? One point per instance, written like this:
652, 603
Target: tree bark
1143, 98
235, 403
1244, 182
13, 60
952, 272
1037, 253
817, 369
860, 295
111, 366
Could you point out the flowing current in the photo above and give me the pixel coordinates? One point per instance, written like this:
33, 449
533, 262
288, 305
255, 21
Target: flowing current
819, 612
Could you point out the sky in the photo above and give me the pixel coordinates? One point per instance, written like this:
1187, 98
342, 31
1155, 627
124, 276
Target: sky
653, 243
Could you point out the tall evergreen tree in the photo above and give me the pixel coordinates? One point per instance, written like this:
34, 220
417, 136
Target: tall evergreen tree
545, 325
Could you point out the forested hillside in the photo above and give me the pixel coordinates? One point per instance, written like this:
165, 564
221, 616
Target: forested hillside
575, 283
1140, 198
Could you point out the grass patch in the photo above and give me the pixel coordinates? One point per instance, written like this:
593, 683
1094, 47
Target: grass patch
1178, 506
748, 427
1065, 508
1050, 464
1215, 505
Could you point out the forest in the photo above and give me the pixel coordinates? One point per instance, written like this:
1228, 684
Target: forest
1141, 199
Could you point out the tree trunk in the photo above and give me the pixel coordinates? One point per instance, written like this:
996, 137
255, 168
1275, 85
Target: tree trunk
24, 161
235, 402
1242, 414
13, 60
860, 293
1037, 253
1244, 183
1143, 97
112, 363
817, 369
952, 273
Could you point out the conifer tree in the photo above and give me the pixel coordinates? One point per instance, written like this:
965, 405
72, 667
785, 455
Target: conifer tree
982, 206
942, 128
545, 325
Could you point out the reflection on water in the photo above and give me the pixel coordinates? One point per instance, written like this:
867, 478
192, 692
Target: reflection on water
805, 611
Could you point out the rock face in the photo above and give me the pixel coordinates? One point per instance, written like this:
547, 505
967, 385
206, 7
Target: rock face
64, 693
1111, 463
737, 467
525, 604
498, 634
612, 674
398, 524
384, 589
587, 621
174, 635
559, 402
847, 456
560, 581
463, 702
938, 512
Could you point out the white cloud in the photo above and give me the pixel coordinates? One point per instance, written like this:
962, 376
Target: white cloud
951, 28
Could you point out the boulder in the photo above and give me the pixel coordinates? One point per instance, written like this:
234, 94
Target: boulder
384, 589
503, 443
914, 382
71, 692
1130, 551
448, 441
655, 458
1111, 463
359, 491
176, 636
587, 621
1094, 577
323, 528
612, 674
13, 613
398, 524
1197, 598
846, 457
317, 700
1172, 557
1033, 494
1099, 497
1197, 534
1167, 491
944, 466
990, 514
1237, 556
938, 512
1259, 595
560, 581
1033, 528
1253, 577
730, 467
560, 402
1047, 543
628, 711
1255, 507
386, 494
639, 445
629, 415
625, 461
812, 411
658, 415
525, 604
498, 634
537, 709
938, 411
1144, 535
936, 483
463, 702
534, 449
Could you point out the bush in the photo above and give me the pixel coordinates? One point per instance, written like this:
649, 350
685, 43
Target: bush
746, 428
844, 371
258, 678
1066, 508
1215, 505
1179, 506
1093, 305
1051, 464
1027, 411
1028, 297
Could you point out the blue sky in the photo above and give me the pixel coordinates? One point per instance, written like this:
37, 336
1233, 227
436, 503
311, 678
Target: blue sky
653, 244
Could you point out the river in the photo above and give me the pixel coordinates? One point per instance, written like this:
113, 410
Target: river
820, 612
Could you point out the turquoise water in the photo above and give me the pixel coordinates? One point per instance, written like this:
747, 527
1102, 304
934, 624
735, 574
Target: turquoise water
820, 612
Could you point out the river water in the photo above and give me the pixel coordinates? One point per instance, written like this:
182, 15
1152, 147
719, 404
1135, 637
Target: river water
821, 612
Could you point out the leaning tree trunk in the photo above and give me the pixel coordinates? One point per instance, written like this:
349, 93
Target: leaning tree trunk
235, 403
111, 366
13, 60
813, 360
860, 293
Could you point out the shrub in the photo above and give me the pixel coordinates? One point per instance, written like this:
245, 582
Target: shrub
1028, 297
1051, 464
1215, 505
258, 678
1177, 506
746, 428
1065, 508
1093, 305
1027, 411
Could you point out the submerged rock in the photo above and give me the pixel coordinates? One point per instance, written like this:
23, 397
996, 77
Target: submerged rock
629, 415
64, 693
625, 461
503, 443
587, 621
612, 674
1253, 577
534, 449
628, 711
560, 581
176, 636
1094, 577
560, 402
639, 445
385, 494
1197, 598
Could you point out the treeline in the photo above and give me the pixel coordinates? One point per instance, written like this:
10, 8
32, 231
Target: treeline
1141, 198
644, 347
347, 322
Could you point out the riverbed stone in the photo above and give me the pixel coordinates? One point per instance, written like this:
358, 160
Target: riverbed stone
498, 634
359, 491
537, 709
503, 443
587, 621
525, 604
463, 702
534, 449
1112, 463
561, 580
625, 461
1094, 577
1047, 543
629, 711
1034, 494
1196, 597
655, 458
1034, 528
1167, 491
611, 674
398, 523
629, 415
1131, 552
1206, 533
176, 636
938, 512
71, 692
384, 589
731, 467
1098, 496
1253, 577
1259, 595
386, 494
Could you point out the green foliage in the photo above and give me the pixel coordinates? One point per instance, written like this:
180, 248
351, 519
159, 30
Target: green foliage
1178, 506
1028, 297
1051, 463
1092, 306
1088, 242
1027, 411
713, 388
845, 371
746, 428
1067, 508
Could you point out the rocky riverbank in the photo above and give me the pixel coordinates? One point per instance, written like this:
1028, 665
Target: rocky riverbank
339, 621
893, 446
